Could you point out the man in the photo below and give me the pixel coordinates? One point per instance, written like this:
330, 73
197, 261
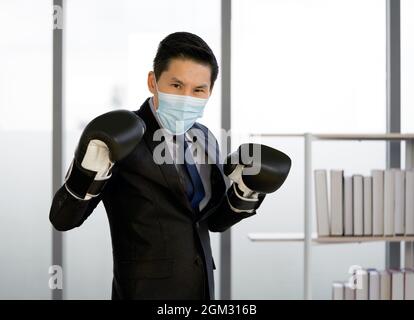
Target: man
164, 194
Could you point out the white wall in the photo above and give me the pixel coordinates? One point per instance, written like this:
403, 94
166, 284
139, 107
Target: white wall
26, 156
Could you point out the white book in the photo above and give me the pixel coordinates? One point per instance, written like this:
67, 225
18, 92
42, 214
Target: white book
337, 200
378, 202
349, 291
389, 201
338, 291
397, 285
385, 285
358, 204
367, 206
399, 208
409, 202
322, 206
374, 284
409, 284
348, 215
361, 292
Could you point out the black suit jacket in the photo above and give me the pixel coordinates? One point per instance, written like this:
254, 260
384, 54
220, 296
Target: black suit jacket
161, 247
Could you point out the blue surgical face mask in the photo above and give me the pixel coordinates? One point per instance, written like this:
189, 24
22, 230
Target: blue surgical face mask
178, 113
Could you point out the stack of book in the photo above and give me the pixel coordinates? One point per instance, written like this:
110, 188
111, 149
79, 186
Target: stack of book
378, 205
371, 284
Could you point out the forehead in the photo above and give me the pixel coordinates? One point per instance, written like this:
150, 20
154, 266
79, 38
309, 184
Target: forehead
188, 71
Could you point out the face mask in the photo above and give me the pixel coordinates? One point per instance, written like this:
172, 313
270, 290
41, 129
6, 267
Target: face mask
178, 113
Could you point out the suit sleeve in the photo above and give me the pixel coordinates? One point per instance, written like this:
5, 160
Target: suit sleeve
67, 212
225, 217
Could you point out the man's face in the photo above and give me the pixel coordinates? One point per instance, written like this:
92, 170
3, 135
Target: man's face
183, 77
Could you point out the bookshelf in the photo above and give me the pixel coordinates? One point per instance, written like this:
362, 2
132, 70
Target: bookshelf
307, 236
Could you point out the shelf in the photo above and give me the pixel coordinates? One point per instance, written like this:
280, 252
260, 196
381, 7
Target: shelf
279, 237
363, 239
343, 136
299, 237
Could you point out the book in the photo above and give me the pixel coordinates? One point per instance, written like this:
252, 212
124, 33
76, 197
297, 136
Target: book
409, 202
371, 284
322, 206
408, 284
397, 285
399, 198
349, 291
378, 202
358, 204
361, 292
337, 200
374, 284
367, 206
385, 285
338, 291
389, 201
348, 214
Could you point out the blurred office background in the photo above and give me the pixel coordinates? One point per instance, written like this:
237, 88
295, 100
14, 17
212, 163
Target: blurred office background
296, 66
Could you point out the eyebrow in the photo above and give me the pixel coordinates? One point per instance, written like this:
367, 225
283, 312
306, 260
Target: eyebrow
204, 85
176, 80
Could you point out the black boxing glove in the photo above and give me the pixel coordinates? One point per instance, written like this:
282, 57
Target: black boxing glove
255, 170
106, 139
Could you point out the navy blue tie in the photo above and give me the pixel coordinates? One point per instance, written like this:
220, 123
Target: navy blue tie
198, 192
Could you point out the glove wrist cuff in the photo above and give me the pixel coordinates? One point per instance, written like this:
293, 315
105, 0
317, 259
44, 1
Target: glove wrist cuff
239, 203
82, 183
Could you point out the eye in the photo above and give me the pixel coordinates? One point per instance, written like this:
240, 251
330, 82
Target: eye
176, 85
199, 90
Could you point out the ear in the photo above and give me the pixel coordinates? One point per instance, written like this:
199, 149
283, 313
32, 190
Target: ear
151, 82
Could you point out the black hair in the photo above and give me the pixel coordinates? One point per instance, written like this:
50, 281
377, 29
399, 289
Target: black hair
184, 45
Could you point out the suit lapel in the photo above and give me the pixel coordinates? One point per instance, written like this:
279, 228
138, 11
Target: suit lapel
168, 169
